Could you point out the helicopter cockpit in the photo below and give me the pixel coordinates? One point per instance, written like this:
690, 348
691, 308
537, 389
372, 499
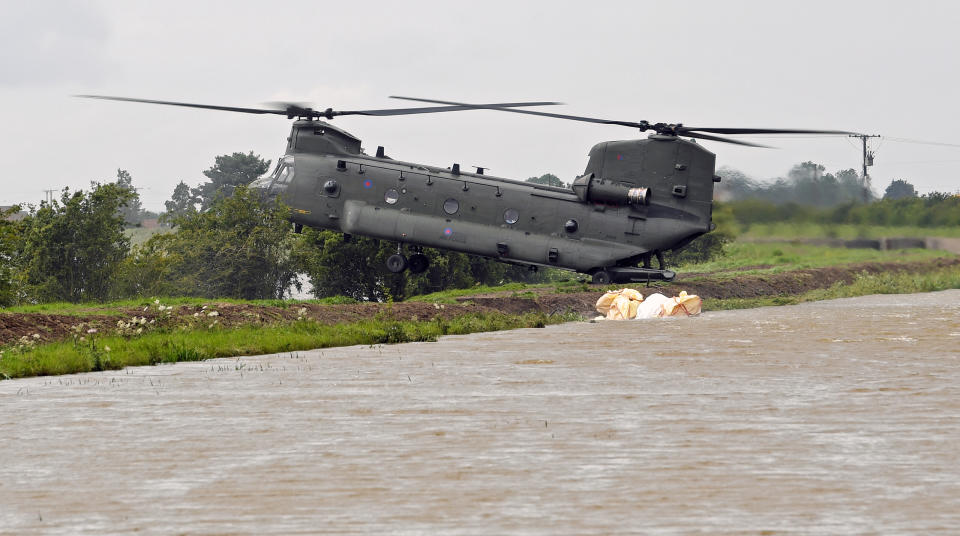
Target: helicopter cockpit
276, 181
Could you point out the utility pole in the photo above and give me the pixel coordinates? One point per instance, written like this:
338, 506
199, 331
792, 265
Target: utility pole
867, 161
49, 195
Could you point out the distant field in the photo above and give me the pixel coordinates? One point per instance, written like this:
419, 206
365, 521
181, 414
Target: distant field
783, 256
139, 235
790, 231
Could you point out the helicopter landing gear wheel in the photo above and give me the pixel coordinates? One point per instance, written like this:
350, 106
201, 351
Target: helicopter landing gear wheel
396, 263
418, 263
602, 277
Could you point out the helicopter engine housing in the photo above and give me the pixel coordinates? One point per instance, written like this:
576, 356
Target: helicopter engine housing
591, 189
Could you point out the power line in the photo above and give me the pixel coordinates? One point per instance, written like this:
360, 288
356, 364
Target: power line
921, 142
901, 162
867, 161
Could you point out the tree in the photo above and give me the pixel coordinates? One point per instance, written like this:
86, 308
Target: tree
548, 179
183, 202
711, 245
232, 170
133, 211
357, 268
71, 249
340, 267
734, 185
10, 260
806, 184
900, 189
238, 248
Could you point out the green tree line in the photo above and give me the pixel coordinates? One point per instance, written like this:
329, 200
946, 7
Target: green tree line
810, 194
807, 184
936, 209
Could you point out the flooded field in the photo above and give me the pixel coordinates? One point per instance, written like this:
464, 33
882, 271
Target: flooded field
838, 417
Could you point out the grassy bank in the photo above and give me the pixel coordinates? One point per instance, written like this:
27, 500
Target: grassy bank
795, 230
864, 285
92, 351
89, 337
747, 257
113, 308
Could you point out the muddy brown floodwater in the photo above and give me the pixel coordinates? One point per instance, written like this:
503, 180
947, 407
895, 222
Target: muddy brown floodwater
838, 417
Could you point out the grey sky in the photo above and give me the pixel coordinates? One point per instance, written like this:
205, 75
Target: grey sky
877, 67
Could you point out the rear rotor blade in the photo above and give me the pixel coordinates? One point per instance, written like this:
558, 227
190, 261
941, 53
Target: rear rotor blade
759, 131
662, 128
643, 125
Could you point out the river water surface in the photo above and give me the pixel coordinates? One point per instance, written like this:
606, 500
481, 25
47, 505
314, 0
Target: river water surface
838, 417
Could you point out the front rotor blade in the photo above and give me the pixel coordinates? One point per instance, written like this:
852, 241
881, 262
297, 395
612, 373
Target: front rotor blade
302, 110
642, 126
724, 140
189, 105
759, 131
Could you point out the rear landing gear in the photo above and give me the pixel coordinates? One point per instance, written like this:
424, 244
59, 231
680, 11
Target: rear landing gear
418, 263
602, 277
647, 257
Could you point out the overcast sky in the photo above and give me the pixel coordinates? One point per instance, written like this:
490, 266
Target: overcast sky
879, 67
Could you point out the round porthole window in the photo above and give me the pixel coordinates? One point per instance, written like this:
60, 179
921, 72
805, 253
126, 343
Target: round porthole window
451, 206
571, 226
511, 216
391, 196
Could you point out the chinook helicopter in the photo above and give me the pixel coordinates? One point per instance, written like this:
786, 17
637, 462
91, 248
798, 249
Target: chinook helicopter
635, 200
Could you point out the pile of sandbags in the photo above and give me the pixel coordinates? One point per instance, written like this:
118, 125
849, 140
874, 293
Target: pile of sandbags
629, 304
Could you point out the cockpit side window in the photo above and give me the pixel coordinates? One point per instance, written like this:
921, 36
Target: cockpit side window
265, 180
285, 174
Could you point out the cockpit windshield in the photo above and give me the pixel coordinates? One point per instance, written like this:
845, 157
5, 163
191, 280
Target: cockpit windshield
282, 171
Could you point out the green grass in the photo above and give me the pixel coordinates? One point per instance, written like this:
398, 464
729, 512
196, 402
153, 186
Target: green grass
450, 296
170, 346
865, 284
797, 230
112, 308
782, 256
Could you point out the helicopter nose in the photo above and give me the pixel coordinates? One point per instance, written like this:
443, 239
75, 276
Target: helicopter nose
261, 187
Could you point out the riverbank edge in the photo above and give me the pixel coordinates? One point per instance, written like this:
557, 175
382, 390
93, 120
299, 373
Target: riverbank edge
193, 335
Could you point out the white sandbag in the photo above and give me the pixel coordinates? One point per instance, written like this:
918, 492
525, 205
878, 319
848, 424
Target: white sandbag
683, 305
652, 306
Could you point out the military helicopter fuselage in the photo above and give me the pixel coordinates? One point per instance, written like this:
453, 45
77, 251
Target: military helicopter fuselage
635, 200
636, 197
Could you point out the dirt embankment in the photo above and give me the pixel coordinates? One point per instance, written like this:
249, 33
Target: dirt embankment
714, 286
51, 327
